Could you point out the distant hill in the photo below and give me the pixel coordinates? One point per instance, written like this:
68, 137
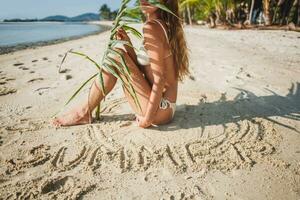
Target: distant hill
61, 18
86, 17
79, 18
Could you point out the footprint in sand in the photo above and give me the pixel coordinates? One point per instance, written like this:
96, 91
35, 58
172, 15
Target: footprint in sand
10, 79
68, 76
18, 64
32, 72
42, 90
4, 80
24, 68
5, 91
64, 71
192, 77
35, 79
56, 184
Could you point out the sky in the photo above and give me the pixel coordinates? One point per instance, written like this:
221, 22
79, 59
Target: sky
43, 8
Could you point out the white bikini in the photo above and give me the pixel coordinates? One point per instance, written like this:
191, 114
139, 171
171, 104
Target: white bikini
144, 60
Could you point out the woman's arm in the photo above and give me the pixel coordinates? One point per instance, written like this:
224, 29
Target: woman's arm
122, 35
155, 43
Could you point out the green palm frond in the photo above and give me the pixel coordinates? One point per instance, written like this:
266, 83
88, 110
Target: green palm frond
77, 91
133, 31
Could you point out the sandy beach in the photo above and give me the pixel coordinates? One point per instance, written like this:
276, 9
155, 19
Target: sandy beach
235, 135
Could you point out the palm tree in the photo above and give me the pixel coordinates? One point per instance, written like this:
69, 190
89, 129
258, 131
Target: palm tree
104, 12
207, 7
185, 5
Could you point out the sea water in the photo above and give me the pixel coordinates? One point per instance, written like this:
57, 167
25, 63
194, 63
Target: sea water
15, 33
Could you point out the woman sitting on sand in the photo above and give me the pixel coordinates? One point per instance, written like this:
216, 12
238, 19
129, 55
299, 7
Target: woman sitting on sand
156, 68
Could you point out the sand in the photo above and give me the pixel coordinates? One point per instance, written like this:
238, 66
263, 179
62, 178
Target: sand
235, 135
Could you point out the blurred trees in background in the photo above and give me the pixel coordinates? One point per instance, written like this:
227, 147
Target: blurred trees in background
229, 12
105, 13
232, 12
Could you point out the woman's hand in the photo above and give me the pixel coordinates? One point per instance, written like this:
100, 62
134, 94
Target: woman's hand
122, 35
141, 121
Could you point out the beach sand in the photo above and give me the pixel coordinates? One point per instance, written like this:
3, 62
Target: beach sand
235, 135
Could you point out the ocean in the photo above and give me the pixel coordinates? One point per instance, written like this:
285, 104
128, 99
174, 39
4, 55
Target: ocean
18, 33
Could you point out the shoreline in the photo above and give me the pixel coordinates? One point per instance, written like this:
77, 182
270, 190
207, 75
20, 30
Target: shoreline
32, 45
106, 25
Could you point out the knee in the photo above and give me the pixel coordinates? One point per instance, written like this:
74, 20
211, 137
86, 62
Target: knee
116, 57
121, 52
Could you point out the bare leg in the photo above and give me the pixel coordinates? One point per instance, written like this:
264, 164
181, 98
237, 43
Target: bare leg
82, 113
143, 91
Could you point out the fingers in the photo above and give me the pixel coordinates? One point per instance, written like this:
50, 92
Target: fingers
121, 30
121, 34
118, 36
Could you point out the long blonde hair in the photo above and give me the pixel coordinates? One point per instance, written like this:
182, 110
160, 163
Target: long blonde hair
176, 38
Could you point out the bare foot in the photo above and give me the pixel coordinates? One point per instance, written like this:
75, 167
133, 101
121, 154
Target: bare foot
74, 117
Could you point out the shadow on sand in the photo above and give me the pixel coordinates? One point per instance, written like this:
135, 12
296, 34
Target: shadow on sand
246, 105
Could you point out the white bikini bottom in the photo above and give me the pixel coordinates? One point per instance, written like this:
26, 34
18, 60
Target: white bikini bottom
165, 104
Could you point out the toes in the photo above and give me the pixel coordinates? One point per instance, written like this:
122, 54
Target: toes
56, 122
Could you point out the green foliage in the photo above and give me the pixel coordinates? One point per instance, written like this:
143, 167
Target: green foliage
279, 12
104, 12
113, 15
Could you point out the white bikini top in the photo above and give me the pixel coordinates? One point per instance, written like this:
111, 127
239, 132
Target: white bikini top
142, 56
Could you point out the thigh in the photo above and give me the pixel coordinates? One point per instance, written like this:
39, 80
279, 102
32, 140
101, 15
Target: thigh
139, 83
143, 91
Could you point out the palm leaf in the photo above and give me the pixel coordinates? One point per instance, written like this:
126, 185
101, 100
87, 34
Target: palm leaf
162, 7
134, 12
86, 57
80, 88
112, 71
131, 20
102, 82
114, 63
133, 31
113, 43
123, 62
63, 60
